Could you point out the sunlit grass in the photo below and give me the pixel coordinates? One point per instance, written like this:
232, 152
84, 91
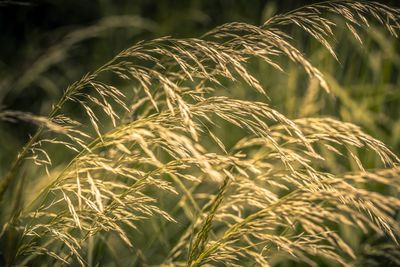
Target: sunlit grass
175, 152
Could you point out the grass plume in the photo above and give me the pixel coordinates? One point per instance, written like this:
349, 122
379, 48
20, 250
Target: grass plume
153, 136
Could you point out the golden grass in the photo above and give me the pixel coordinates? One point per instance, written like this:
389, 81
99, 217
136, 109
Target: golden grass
275, 196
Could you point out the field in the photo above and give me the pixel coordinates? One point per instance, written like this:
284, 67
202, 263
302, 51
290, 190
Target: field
199, 133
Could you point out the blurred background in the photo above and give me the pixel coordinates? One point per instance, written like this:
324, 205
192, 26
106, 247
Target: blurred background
47, 45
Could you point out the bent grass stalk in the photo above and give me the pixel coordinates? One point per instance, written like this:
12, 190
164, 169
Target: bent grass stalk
273, 178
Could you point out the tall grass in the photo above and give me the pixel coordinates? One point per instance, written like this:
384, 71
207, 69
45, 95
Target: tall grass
146, 176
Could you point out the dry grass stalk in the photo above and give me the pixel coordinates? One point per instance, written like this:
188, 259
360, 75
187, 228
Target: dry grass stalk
274, 197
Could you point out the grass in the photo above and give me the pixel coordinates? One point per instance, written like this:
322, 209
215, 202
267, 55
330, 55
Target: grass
149, 161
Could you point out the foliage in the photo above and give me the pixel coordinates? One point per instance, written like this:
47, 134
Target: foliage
143, 153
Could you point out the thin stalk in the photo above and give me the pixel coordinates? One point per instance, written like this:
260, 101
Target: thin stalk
234, 228
5, 182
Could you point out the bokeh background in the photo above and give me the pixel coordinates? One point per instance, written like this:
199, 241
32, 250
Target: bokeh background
47, 45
